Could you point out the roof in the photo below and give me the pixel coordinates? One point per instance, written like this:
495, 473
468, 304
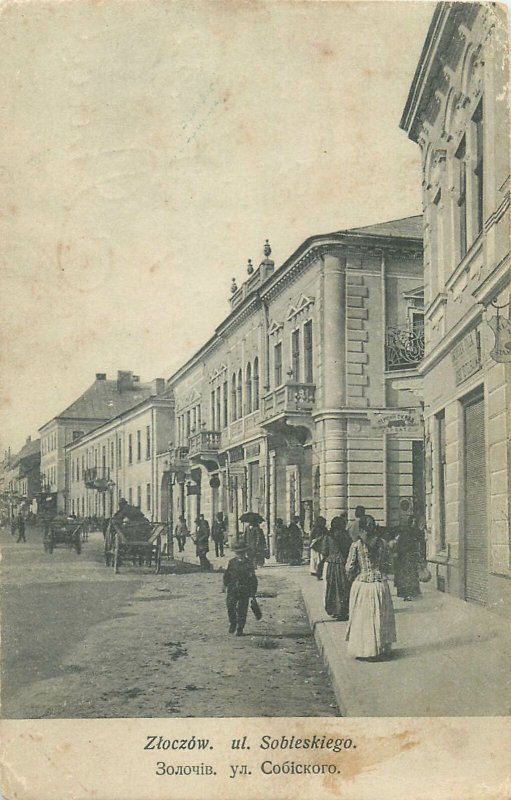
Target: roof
405, 228
103, 400
30, 448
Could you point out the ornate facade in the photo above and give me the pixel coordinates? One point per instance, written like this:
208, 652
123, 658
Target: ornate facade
457, 111
304, 401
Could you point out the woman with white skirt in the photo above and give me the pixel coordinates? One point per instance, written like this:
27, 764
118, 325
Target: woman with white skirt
372, 626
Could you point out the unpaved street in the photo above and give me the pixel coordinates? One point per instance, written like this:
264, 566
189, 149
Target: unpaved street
79, 641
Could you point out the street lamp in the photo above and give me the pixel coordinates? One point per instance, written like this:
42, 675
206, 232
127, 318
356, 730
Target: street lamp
170, 515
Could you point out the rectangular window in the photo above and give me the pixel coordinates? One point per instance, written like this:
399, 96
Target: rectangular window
295, 355
188, 423
477, 122
130, 496
225, 404
139, 445
148, 496
139, 496
72, 469
462, 196
213, 419
130, 448
112, 454
277, 363
119, 453
78, 469
307, 353
148, 442
218, 415
103, 457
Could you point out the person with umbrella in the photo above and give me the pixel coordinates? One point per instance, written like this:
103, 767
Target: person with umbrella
254, 537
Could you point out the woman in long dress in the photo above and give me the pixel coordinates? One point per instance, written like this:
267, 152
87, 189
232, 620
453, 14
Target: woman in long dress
335, 548
372, 626
318, 533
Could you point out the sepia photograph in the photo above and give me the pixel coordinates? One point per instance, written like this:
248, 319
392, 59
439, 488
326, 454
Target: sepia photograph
256, 357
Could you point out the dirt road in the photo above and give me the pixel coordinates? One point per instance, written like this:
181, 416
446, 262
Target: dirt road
79, 641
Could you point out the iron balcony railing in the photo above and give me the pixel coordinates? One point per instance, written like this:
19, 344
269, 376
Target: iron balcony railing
404, 347
203, 442
298, 397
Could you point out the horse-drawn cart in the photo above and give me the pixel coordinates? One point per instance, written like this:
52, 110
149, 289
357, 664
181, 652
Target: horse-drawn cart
137, 541
64, 531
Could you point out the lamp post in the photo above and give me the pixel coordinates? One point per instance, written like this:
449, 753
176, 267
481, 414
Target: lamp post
170, 516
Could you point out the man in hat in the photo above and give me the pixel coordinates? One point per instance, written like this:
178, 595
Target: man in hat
241, 584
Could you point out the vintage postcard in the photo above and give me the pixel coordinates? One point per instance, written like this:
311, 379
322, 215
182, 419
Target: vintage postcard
255, 414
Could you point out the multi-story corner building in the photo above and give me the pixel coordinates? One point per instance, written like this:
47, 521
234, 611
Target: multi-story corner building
305, 401
101, 401
457, 111
118, 459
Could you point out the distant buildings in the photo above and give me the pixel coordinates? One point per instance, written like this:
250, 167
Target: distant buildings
457, 111
20, 478
102, 401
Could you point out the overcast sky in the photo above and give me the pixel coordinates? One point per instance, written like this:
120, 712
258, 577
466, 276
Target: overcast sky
147, 150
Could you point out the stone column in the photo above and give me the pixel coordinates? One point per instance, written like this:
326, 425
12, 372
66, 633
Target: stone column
332, 428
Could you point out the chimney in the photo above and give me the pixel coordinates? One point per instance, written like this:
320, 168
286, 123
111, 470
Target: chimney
29, 439
124, 380
101, 376
158, 386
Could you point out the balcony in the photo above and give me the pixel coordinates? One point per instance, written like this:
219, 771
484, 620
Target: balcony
404, 347
98, 478
204, 444
291, 398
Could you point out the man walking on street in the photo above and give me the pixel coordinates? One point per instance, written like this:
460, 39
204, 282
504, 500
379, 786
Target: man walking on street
181, 533
241, 584
218, 532
21, 529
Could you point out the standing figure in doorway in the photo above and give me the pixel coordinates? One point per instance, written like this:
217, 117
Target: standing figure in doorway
372, 626
295, 541
280, 541
241, 584
408, 556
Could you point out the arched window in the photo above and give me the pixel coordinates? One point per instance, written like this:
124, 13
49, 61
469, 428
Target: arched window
255, 385
233, 398
248, 389
239, 388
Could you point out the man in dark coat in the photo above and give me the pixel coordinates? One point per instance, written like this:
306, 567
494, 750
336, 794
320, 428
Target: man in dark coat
21, 529
241, 584
295, 541
218, 533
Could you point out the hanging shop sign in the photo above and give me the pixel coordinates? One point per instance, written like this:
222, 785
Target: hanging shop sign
236, 454
466, 357
501, 327
252, 450
403, 419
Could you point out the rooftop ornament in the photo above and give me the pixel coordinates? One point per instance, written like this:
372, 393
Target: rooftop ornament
250, 267
234, 286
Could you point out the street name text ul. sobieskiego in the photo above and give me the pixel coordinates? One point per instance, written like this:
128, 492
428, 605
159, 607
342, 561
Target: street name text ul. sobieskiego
315, 742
